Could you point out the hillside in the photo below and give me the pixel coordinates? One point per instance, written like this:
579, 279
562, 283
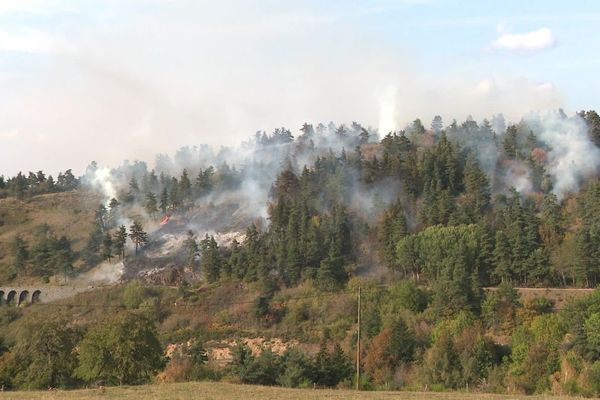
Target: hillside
247, 265
68, 213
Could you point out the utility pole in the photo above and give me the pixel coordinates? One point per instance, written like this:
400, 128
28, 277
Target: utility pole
358, 345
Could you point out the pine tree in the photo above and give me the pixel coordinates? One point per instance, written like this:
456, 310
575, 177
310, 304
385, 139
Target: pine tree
185, 187
20, 186
113, 213
392, 228
510, 142
436, 124
107, 246
20, 252
502, 257
93, 246
191, 249
164, 200
151, 206
477, 191
137, 234
63, 257
593, 122
134, 190
119, 240
211, 261
174, 197
417, 127
331, 274
101, 217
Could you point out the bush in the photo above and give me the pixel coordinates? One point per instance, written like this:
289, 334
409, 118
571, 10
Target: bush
330, 368
44, 354
594, 378
441, 365
133, 295
124, 351
295, 369
409, 296
262, 370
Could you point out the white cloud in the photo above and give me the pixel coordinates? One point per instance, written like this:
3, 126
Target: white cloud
526, 42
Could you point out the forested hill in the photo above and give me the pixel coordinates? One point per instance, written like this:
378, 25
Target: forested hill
462, 206
274, 238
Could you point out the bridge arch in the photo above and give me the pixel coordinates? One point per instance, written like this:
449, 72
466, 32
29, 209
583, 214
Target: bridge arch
36, 296
23, 297
10, 297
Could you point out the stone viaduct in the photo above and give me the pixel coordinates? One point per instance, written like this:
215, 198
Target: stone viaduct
41, 294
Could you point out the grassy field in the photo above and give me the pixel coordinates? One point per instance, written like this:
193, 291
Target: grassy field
69, 214
218, 391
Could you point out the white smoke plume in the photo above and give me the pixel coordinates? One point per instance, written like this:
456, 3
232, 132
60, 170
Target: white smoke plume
573, 157
102, 180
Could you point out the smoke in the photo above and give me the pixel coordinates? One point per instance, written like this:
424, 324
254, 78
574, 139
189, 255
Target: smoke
224, 71
572, 157
518, 176
105, 273
102, 180
387, 116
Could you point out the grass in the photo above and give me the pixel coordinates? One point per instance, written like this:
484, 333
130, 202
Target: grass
218, 391
70, 214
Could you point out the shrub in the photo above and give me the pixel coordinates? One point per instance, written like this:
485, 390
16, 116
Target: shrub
124, 351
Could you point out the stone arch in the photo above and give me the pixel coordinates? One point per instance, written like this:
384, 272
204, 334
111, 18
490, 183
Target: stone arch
10, 297
36, 296
23, 297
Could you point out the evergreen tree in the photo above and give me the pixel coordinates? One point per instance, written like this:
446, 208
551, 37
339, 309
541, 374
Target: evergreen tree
137, 234
331, 274
174, 196
101, 217
107, 246
20, 252
134, 190
113, 213
477, 191
436, 124
191, 249
210, 261
164, 200
502, 257
510, 142
330, 368
392, 228
63, 256
185, 187
119, 240
91, 252
593, 122
151, 205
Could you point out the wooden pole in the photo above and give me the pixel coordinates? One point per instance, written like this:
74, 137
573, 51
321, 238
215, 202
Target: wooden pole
358, 344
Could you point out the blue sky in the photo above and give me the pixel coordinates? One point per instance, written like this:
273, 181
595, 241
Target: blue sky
108, 80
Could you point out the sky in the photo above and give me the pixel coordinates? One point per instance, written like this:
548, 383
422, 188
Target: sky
109, 80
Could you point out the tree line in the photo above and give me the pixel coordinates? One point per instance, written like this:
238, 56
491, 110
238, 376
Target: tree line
23, 186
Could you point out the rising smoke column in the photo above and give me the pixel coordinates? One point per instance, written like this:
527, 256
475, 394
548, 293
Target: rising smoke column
573, 157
